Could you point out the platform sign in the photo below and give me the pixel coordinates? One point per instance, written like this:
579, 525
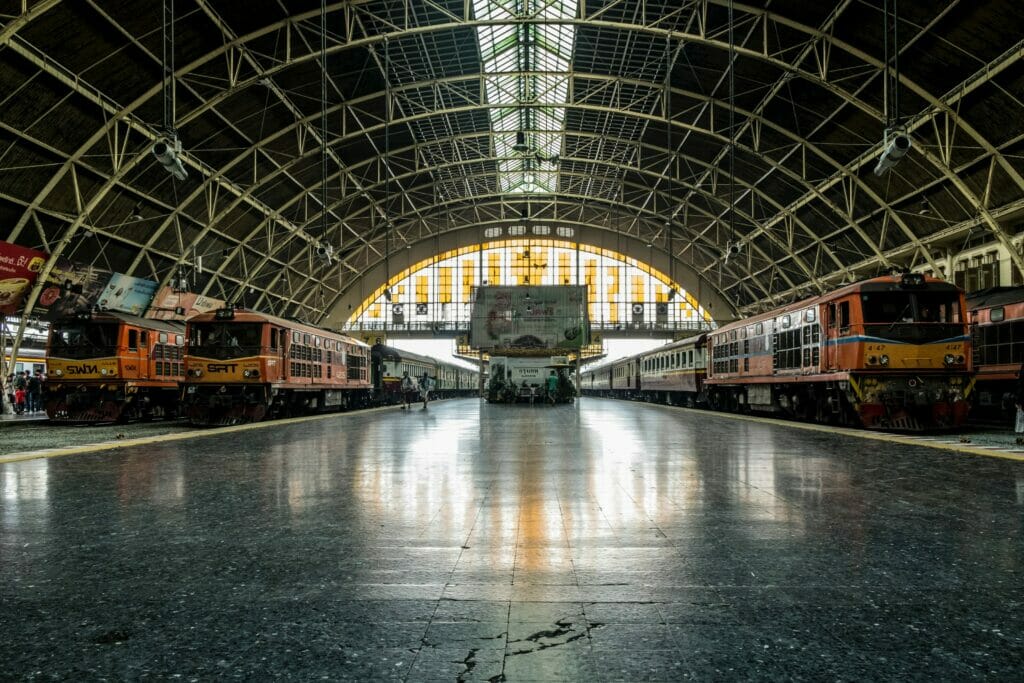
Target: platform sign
525, 317
127, 294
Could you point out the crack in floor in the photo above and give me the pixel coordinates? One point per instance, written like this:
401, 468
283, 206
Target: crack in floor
564, 627
470, 663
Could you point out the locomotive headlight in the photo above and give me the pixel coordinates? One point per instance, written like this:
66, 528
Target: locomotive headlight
196, 373
872, 360
58, 372
960, 360
103, 371
884, 360
251, 373
949, 359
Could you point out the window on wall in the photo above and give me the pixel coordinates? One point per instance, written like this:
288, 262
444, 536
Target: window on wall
615, 283
977, 273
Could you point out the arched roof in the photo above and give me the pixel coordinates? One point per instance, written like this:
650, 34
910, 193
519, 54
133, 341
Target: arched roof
644, 150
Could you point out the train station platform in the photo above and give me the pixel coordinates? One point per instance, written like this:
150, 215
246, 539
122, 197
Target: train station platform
602, 541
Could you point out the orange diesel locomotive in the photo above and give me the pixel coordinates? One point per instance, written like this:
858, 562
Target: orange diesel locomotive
243, 366
888, 353
112, 367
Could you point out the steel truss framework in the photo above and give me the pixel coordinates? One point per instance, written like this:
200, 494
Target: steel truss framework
77, 179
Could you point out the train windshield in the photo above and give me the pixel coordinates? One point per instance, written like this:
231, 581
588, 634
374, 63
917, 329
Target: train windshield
225, 339
916, 317
83, 339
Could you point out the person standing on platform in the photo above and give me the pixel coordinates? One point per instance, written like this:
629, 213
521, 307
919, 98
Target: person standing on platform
408, 389
1018, 399
34, 387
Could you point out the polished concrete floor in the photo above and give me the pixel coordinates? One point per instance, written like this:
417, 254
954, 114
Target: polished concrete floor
468, 542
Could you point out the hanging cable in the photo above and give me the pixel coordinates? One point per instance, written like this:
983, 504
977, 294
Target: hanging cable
732, 246
669, 233
895, 141
168, 66
387, 169
323, 119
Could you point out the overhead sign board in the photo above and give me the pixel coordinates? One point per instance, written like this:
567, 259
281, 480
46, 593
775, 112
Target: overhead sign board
527, 317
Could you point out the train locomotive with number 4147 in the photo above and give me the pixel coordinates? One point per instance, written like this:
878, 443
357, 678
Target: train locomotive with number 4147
890, 353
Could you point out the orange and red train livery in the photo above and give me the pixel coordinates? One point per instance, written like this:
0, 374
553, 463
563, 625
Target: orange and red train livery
112, 367
244, 366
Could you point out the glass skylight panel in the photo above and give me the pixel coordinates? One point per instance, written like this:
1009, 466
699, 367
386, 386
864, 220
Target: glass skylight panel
530, 62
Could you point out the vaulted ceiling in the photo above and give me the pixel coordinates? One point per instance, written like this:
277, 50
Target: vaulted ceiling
633, 121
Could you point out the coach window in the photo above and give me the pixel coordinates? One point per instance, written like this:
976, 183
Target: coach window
786, 322
179, 340
295, 337
810, 316
162, 337
316, 340
305, 339
743, 333
133, 340
759, 328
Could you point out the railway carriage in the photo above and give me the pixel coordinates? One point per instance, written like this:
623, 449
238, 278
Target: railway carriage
888, 353
997, 338
674, 374
112, 367
389, 364
244, 366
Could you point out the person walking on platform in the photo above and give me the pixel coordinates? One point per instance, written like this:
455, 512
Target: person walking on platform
552, 383
408, 389
426, 386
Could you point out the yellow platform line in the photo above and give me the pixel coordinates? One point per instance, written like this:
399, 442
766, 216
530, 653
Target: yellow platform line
859, 434
196, 433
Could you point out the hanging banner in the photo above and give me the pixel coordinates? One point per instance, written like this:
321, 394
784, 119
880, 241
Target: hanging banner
19, 267
548, 317
171, 304
127, 294
70, 288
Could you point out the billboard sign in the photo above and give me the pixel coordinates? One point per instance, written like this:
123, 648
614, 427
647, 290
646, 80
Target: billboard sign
547, 317
171, 304
70, 288
19, 267
127, 294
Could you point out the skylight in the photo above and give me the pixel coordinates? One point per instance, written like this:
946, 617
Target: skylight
526, 74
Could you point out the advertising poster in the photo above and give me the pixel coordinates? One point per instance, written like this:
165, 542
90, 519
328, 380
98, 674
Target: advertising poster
550, 317
71, 288
127, 294
171, 304
19, 267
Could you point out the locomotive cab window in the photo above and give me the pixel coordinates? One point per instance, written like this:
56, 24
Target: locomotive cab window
133, 340
144, 338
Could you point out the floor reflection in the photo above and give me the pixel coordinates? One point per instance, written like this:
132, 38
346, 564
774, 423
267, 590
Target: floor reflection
550, 535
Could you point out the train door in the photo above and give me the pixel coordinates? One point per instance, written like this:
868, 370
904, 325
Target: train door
278, 337
831, 337
637, 370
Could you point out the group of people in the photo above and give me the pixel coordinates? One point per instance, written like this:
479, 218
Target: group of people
411, 387
25, 391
